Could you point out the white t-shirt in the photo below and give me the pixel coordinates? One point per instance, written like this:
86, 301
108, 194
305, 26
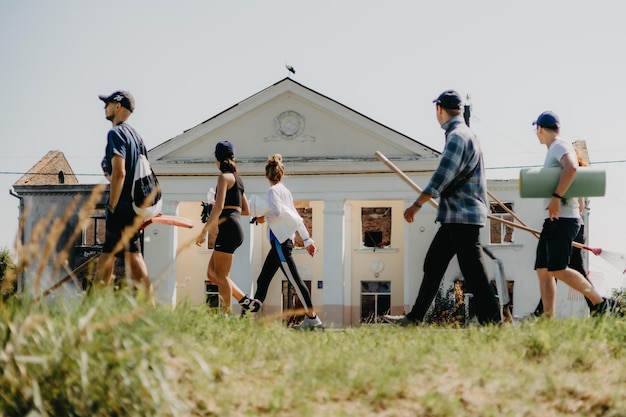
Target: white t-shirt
282, 217
556, 151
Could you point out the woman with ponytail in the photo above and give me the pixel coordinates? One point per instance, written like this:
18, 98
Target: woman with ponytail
284, 221
230, 204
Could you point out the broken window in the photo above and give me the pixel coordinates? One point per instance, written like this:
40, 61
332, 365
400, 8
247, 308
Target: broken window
500, 233
375, 227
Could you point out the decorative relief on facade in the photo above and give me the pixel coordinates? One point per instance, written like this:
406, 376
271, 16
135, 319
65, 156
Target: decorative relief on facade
376, 265
289, 125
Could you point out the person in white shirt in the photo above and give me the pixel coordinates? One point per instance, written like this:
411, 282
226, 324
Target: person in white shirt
284, 221
561, 225
576, 258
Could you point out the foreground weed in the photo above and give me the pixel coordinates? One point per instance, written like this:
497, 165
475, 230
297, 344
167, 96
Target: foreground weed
111, 356
101, 357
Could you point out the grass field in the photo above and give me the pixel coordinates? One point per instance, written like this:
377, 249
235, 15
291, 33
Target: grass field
109, 355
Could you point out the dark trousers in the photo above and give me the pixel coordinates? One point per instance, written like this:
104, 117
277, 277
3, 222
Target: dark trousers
461, 240
280, 257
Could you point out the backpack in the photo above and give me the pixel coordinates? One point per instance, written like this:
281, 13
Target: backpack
146, 191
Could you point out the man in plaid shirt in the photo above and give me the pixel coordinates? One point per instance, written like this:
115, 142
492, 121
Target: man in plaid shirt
460, 182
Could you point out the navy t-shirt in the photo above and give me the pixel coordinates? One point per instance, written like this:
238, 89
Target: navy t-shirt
124, 141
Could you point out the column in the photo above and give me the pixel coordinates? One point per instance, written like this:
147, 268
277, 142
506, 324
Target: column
334, 273
413, 237
241, 272
160, 245
256, 256
349, 309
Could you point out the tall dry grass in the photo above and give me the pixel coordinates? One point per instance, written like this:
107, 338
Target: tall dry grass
110, 355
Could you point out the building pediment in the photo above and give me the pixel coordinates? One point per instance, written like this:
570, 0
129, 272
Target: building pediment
314, 133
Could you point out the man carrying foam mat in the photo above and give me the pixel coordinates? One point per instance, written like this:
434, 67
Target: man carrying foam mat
562, 221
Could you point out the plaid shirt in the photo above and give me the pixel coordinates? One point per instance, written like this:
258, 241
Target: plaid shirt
468, 203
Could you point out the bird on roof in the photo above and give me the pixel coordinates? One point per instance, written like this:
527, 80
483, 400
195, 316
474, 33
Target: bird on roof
290, 69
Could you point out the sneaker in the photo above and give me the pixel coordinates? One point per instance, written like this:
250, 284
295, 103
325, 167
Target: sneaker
608, 307
309, 323
402, 321
251, 305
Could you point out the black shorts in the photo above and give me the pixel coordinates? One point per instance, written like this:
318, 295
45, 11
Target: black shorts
230, 232
555, 243
116, 223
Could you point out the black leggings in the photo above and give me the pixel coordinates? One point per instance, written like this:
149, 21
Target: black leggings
280, 257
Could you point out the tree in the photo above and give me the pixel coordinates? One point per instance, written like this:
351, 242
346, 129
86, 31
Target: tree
7, 274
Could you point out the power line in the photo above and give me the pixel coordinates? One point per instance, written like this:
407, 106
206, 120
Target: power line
594, 163
47, 173
617, 161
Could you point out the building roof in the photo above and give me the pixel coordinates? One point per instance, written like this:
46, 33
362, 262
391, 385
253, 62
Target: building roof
52, 169
315, 135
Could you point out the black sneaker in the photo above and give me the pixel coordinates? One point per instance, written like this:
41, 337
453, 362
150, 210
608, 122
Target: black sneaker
608, 307
250, 304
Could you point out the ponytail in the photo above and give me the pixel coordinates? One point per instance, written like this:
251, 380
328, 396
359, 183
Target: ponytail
275, 170
228, 165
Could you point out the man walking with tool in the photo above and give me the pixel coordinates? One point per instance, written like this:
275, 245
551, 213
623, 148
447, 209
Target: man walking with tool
122, 224
561, 225
460, 182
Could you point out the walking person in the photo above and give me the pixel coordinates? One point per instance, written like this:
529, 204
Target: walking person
460, 182
561, 224
284, 221
230, 204
122, 237
576, 263
576, 258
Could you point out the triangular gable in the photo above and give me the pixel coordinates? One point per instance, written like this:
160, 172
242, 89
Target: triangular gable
295, 121
52, 169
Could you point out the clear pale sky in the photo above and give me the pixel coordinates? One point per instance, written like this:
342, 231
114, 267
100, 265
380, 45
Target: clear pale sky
186, 61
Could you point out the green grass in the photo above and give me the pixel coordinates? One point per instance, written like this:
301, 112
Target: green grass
109, 355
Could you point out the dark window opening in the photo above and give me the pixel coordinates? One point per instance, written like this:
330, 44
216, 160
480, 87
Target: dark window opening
376, 227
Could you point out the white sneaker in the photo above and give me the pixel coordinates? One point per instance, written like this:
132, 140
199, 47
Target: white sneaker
401, 321
309, 323
251, 305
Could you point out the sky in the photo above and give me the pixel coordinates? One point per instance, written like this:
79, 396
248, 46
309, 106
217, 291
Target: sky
186, 61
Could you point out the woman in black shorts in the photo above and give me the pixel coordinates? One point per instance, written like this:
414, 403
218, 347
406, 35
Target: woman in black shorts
230, 204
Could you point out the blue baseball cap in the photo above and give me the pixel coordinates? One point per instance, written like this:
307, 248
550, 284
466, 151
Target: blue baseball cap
125, 98
224, 150
548, 120
449, 99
